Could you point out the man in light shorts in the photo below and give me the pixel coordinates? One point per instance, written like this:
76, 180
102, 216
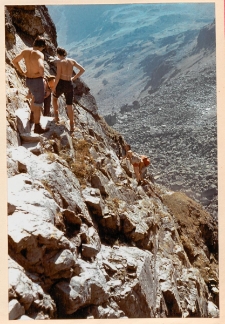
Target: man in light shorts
34, 62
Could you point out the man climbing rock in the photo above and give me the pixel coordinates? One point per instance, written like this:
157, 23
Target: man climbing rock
139, 163
64, 83
34, 62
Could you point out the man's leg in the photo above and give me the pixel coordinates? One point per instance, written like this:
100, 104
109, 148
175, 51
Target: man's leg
36, 113
71, 116
137, 172
36, 117
47, 105
143, 172
56, 108
31, 108
68, 92
36, 87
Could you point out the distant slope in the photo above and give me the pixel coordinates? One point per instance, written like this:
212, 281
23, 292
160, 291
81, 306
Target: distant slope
176, 121
119, 45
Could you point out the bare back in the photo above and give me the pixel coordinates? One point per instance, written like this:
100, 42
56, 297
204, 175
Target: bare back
34, 61
65, 69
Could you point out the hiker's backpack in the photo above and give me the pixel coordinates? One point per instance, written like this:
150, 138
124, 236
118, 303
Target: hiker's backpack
146, 160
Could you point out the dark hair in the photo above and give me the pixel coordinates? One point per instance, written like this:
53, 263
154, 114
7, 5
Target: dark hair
39, 42
61, 51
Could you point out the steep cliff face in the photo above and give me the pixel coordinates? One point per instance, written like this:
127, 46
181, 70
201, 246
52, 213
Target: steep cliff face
85, 241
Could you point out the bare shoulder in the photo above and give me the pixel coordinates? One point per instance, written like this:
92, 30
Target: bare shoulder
73, 62
39, 54
42, 55
35, 54
58, 63
26, 52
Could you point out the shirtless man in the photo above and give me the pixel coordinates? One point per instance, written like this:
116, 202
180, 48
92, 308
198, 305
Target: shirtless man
34, 62
64, 83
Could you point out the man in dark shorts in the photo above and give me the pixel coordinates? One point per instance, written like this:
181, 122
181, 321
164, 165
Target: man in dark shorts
64, 83
34, 62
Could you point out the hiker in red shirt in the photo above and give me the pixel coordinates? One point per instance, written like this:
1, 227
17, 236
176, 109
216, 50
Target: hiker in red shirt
145, 162
139, 163
135, 161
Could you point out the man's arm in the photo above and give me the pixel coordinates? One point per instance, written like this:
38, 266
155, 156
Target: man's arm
80, 68
59, 68
16, 61
41, 66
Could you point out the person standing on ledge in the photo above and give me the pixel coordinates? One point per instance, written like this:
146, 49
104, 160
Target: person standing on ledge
64, 83
34, 62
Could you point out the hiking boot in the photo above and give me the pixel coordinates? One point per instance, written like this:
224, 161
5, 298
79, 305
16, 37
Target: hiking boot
39, 130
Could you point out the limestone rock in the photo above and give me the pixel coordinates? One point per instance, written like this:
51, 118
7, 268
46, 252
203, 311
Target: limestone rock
93, 199
29, 295
71, 217
66, 191
213, 310
23, 120
30, 196
89, 251
87, 288
15, 309
133, 296
59, 265
31, 240
24, 317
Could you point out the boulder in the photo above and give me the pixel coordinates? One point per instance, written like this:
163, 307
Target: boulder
89, 251
65, 188
15, 309
28, 195
23, 120
32, 241
130, 270
60, 264
93, 199
25, 295
213, 311
86, 289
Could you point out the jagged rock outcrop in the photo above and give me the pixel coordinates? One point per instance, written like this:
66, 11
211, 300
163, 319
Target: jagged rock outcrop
85, 241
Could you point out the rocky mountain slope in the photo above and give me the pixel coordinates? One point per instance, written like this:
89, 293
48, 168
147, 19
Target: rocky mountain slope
175, 121
154, 83
85, 241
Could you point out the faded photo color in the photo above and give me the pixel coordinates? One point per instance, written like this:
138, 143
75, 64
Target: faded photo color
113, 199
